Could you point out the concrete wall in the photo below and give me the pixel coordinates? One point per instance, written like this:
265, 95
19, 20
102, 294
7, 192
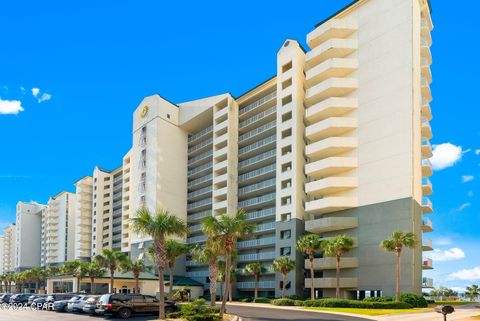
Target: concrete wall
28, 234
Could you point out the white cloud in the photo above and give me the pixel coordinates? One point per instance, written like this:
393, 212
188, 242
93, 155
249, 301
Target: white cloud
35, 91
452, 254
466, 274
462, 207
470, 193
477, 151
12, 107
445, 155
467, 178
44, 97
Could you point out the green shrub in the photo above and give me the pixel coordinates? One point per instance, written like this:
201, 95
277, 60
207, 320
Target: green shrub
197, 307
343, 303
261, 300
430, 301
417, 301
294, 297
379, 299
175, 315
283, 302
246, 300
299, 303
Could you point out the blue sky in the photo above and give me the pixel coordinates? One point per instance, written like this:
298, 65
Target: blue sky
78, 71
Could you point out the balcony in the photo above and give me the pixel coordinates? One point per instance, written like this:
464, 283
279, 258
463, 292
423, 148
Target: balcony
426, 186
426, 168
426, 150
427, 283
332, 87
330, 147
427, 264
259, 146
192, 196
265, 227
198, 216
334, 67
199, 205
427, 245
329, 263
266, 256
258, 174
197, 171
197, 160
330, 166
221, 113
260, 118
333, 28
330, 204
269, 241
427, 226
426, 112
330, 224
221, 192
331, 107
427, 206
251, 285
217, 206
270, 98
196, 239
259, 160
330, 127
330, 185
426, 72
201, 134
332, 48
261, 214
331, 283
266, 129
260, 201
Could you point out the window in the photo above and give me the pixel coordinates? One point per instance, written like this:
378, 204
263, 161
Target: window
287, 66
286, 100
168, 116
106, 179
287, 83
286, 217
285, 235
285, 251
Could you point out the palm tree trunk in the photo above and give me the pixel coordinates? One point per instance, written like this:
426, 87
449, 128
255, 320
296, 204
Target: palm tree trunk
337, 266
230, 290
398, 277
112, 273
213, 275
78, 284
256, 285
312, 285
221, 290
284, 285
137, 282
170, 286
92, 281
228, 259
161, 284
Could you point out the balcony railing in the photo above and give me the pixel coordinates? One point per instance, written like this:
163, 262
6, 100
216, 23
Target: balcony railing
251, 285
258, 172
257, 144
200, 168
207, 154
258, 116
200, 134
205, 202
196, 239
256, 256
257, 131
201, 191
258, 186
200, 180
199, 216
257, 200
200, 145
258, 103
257, 242
264, 227
258, 158
261, 213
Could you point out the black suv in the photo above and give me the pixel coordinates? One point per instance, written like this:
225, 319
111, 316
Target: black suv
19, 298
124, 305
58, 297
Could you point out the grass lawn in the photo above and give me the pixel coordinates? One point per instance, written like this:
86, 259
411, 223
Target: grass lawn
453, 302
371, 312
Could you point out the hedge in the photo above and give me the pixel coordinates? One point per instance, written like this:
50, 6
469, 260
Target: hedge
262, 300
379, 299
417, 301
342, 303
284, 302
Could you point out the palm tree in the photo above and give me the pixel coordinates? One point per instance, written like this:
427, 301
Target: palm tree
53, 270
70, 268
159, 226
395, 244
336, 247
93, 271
310, 244
19, 278
38, 275
8, 281
174, 250
136, 267
226, 230
283, 265
208, 254
255, 269
110, 259
472, 292
2, 281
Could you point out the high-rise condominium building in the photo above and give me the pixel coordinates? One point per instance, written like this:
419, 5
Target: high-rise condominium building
9, 248
59, 229
336, 143
83, 218
28, 233
1, 254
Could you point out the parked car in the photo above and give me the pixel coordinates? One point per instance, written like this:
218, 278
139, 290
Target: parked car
5, 298
52, 298
90, 304
60, 306
21, 298
125, 305
76, 303
32, 297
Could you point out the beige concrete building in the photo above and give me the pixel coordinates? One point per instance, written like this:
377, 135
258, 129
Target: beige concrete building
9, 248
336, 142
58, 245
28, 229
83, 218
1, 254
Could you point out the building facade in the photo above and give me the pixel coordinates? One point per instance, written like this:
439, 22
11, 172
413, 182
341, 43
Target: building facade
59, 229
28, 229
9, 248
83, 218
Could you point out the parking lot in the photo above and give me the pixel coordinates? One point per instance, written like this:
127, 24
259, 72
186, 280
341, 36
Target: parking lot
29, 315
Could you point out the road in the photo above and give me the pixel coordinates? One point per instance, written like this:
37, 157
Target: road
270, 314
